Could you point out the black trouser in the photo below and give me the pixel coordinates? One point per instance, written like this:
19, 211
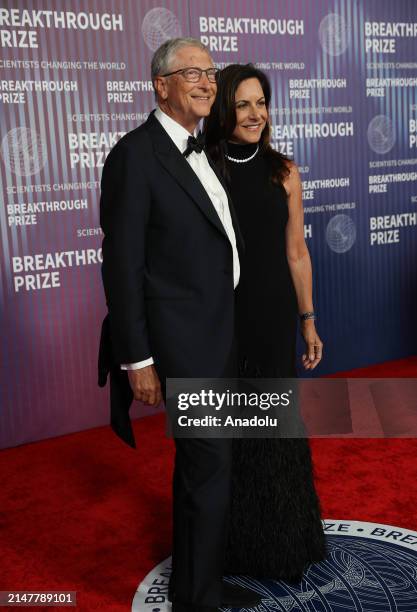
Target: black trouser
201, 499
201, 512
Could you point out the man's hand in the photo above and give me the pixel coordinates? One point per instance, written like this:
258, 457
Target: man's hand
145, 385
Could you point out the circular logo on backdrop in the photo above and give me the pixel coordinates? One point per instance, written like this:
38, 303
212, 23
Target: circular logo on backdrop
369, 567
334, 34
381, 134
23, 151
340, 233
159, 25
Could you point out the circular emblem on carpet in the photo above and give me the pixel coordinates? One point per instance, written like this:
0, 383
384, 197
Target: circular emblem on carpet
370, 567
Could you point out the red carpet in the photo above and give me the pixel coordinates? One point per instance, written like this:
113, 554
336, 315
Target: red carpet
86, 513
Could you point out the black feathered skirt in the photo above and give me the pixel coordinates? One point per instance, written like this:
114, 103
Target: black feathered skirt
275, 527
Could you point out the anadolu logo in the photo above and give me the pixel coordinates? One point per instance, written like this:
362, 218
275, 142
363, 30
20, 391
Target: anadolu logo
370, 567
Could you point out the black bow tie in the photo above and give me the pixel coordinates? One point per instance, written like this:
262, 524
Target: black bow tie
194, 144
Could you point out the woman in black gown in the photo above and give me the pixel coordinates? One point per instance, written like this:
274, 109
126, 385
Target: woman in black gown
275, 528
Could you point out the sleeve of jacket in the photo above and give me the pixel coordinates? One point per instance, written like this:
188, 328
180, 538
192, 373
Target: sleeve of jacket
124, 212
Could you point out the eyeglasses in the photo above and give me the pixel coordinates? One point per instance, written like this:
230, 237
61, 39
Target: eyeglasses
194, 74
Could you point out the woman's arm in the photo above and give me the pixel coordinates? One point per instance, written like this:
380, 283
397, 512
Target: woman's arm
299, 263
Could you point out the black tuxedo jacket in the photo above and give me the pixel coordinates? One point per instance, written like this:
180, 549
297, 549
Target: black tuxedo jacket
167, 268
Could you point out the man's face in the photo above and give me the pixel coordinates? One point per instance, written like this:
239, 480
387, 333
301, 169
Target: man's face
187, 102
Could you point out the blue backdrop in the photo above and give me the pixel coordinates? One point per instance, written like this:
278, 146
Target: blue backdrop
75, 77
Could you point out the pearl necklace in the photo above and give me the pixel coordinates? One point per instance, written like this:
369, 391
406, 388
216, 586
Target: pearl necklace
243, 161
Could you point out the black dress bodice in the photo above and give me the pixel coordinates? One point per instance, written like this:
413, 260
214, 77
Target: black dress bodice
266, 306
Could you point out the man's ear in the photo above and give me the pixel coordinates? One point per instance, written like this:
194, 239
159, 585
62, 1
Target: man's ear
161, 87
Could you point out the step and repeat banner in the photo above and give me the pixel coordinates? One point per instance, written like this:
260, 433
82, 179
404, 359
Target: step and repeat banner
75, 77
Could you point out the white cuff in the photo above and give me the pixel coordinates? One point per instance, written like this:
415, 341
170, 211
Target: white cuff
138, 365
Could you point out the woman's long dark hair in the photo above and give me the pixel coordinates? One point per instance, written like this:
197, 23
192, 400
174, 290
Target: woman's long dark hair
220, 124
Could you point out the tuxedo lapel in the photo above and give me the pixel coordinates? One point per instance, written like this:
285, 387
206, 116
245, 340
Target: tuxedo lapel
178, 167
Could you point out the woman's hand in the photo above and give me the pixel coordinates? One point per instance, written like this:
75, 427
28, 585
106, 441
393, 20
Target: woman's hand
314, 346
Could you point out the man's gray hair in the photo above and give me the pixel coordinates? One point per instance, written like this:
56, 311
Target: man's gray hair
163, 56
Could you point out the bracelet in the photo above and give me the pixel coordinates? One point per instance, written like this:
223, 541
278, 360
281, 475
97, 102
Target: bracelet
305, 316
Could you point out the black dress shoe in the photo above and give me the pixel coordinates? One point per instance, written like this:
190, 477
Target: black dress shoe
176, 607
295, 579
170, 595
233, 596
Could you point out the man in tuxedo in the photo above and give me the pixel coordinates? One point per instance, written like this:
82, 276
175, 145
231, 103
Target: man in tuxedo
170, 267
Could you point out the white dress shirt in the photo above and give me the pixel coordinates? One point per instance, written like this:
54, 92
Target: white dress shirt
199, 163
